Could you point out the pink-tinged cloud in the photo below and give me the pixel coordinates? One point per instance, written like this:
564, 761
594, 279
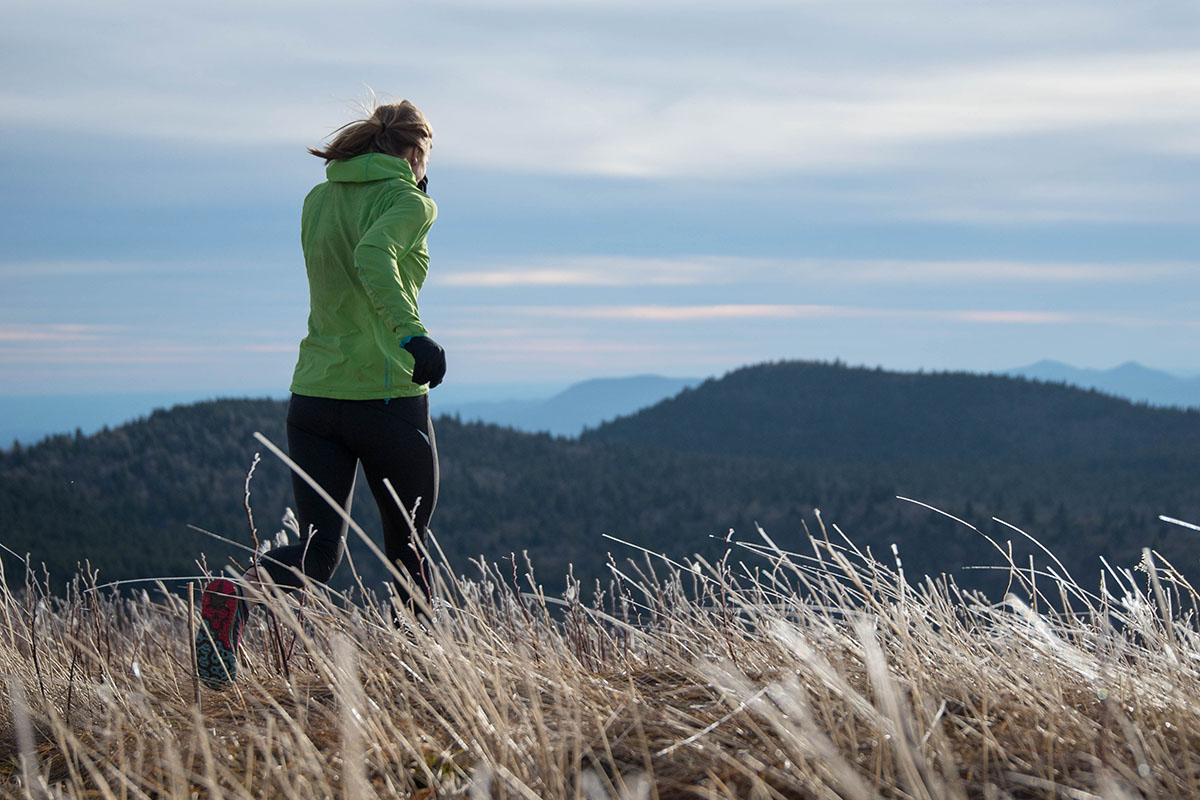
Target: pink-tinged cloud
578, 271
600, 271
577, 346
54, 332
66, 351
661, 313
696, 313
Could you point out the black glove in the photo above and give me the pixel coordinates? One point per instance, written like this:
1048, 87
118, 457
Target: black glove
429, 360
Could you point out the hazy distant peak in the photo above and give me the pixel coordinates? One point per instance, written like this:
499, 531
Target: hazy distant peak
653, 384
1046, 363
1130, 380
1134, 368
584, 404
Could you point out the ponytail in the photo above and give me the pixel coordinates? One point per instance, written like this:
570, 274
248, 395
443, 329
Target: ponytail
394, 129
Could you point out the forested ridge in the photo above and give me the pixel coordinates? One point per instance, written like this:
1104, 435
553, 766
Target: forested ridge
1085, 473
830, 414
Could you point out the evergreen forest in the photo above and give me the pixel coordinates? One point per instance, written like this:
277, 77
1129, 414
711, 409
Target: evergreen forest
1085, 473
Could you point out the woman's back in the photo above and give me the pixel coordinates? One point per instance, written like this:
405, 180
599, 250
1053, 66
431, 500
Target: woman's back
363, 232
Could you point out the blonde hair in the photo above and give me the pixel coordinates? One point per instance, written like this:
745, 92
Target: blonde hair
394, 129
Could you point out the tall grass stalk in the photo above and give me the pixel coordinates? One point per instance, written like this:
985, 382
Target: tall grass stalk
814, 672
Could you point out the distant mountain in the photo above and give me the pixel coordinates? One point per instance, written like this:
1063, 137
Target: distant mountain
1130, 380
582, 405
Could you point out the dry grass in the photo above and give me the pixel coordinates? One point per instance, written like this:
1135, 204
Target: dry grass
783, 675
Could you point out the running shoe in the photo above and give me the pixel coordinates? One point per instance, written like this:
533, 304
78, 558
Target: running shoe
223, 612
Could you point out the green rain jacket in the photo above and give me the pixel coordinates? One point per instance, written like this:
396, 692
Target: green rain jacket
363, 233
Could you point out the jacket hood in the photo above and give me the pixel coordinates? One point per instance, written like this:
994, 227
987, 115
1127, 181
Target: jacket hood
369, 167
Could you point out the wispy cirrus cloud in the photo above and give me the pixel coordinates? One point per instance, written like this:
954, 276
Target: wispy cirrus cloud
131, 352
619, 271
586, 102
1139, 100
769, 311
78, 343
66, 268
616, 271
53, 333
664, 313
593, 271
912, 271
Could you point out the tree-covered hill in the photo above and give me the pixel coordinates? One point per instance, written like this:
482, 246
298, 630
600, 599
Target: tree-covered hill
827, 413
940, 434
123, 498
1085, 473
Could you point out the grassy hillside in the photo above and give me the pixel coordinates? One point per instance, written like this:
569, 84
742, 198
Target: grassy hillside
817, 674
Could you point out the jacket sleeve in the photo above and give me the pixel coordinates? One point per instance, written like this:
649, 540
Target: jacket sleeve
380, 258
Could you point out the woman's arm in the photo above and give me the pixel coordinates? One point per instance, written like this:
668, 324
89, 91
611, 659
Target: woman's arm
381, 260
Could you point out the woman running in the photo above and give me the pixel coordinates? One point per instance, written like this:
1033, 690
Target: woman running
360, 388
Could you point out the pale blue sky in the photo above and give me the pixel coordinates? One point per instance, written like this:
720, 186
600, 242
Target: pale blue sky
624, 187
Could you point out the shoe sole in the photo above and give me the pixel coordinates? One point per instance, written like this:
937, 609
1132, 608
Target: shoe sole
216, 664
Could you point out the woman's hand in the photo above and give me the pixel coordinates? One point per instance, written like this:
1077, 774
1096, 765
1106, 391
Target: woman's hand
429, 360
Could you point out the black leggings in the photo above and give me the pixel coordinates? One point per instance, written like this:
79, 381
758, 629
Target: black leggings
327, 438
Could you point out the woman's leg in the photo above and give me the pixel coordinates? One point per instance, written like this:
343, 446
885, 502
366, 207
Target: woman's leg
224, 605
315, 444
396, 442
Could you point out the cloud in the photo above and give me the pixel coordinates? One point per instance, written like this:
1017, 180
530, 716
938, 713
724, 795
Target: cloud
904, 271
573, 92
573, 345
66, 268
97, 344
767, 311
632, 271
593, 271
648, 313
796, 121
618, 271
978, 112
44, 333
